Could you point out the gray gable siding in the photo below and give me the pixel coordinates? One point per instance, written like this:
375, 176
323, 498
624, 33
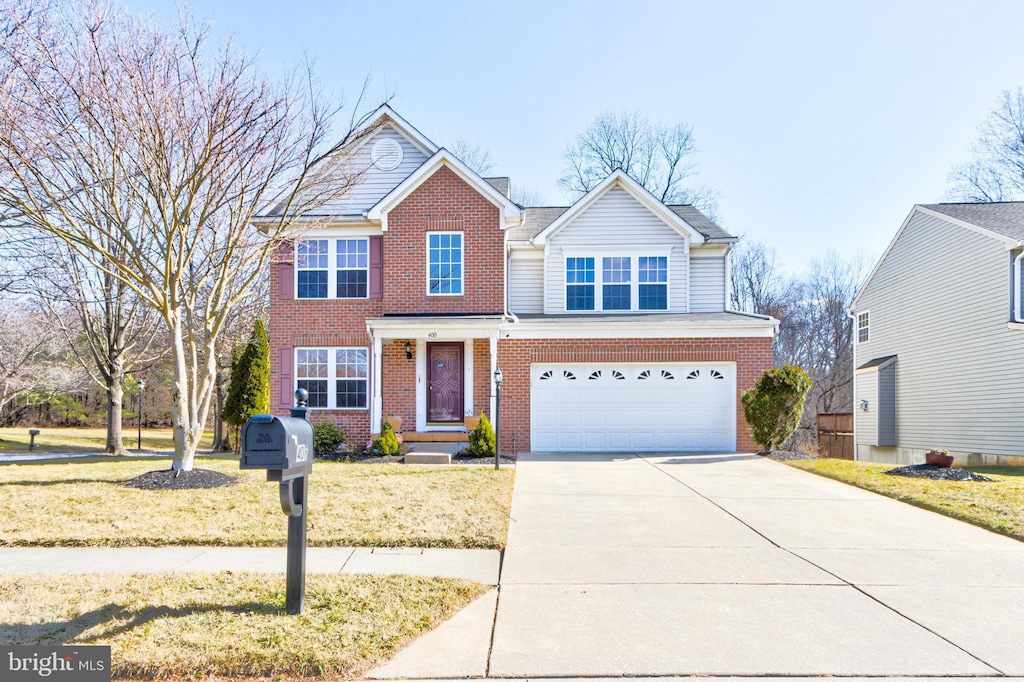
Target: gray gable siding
525, 283
375, 184
615, 220
707, 283
940, 302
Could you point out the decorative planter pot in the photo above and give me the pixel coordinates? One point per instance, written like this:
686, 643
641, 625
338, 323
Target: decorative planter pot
470, 422
938, 459
396, 422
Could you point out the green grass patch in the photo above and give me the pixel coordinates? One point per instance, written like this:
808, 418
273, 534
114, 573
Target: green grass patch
997, 506
80, 503
15, 440
182, 625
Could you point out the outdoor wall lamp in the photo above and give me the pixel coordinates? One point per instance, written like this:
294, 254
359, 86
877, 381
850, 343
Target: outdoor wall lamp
498, 378
864, 405
408, 351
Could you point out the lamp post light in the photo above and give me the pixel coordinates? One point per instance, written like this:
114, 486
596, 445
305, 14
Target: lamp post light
498, 378
142, 387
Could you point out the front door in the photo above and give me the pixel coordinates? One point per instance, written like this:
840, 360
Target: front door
444, 385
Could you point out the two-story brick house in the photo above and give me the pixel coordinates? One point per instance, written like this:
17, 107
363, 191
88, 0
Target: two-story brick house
608, 319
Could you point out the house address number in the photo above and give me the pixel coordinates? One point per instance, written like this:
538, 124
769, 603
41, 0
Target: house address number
431, 335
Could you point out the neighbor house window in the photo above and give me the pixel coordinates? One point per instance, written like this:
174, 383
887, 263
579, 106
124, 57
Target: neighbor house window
349, 367
616, 292
353, 268
579, 283
445, 263
311, 268
863, 332
653, 282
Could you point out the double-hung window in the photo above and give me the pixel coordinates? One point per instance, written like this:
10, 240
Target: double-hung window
444, 275
628, 283
353, 268
863, 328
314, 368
579, 284
616, 292
653, 282
332, 268
311, 267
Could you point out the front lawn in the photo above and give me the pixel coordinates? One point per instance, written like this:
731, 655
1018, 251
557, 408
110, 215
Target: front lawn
997, 506
79, 503
15, 440
228, 625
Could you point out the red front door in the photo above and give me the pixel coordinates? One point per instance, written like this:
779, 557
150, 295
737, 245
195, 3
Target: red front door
444, 385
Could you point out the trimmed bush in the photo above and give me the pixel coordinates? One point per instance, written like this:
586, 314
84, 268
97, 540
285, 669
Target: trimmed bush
481, 439
386, 445
327, 437
774, 405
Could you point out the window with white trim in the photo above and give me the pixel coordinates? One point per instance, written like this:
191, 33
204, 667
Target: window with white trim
332, 268
444, 259
1017, 294
628, 283
863, 329
349, 368
579, 283
311, 268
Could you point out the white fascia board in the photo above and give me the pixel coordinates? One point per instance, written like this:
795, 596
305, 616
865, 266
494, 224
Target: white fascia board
306, 224
627, 330
384, 112
512, 214
432, 328
638, 191
1006, 241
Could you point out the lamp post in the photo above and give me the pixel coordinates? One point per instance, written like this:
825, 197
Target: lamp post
142, 387
498, 378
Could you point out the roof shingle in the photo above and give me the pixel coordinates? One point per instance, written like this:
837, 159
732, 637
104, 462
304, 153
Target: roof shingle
1005, 218
536, 219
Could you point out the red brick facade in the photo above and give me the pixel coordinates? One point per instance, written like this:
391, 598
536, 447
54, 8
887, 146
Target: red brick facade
444, 203
751, 355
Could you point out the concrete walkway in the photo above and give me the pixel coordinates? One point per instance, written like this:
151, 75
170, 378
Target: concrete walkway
481, 565
728, 565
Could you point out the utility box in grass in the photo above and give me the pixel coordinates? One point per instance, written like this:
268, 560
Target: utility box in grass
276, 443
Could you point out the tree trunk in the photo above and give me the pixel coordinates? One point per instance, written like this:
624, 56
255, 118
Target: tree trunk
181, 414
115, 407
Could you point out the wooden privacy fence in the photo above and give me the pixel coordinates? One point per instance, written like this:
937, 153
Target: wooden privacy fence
835, 435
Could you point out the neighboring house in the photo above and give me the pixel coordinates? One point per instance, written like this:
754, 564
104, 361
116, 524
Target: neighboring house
607, 318
939, 331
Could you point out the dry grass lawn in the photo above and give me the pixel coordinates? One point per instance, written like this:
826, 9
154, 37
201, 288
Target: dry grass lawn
79, 503
14, 440
228, 625
997, 506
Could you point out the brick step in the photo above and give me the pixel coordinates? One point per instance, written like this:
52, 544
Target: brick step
435, 437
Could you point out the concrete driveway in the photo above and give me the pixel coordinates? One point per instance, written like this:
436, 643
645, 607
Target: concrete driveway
731, 565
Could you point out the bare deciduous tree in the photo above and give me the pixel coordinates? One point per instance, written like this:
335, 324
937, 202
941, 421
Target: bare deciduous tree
526, 197
473, 155
662, 158
151, 154
996, 170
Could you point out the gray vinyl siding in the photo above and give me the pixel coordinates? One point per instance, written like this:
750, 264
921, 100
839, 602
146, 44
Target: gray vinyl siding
866, 429
375, 183
707, 284
887, 406
615, 220
940, 302
525, 284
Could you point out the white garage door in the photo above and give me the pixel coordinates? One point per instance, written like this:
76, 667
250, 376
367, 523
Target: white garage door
633, 407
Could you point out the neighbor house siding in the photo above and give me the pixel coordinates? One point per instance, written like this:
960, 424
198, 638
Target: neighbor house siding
526, 282
707, 282
616, 221
940, 301
375, 183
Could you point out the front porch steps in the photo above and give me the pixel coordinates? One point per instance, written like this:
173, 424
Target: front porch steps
435, 437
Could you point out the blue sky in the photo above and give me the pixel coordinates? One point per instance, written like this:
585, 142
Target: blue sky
819, 124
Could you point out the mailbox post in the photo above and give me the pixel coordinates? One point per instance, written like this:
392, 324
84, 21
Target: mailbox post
283, 446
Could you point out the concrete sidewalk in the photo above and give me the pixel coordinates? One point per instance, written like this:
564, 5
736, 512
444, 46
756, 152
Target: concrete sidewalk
728, 565
481, 565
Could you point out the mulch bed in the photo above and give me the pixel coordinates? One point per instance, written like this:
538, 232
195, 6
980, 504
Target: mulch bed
374, 459
168, 479
938, 473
